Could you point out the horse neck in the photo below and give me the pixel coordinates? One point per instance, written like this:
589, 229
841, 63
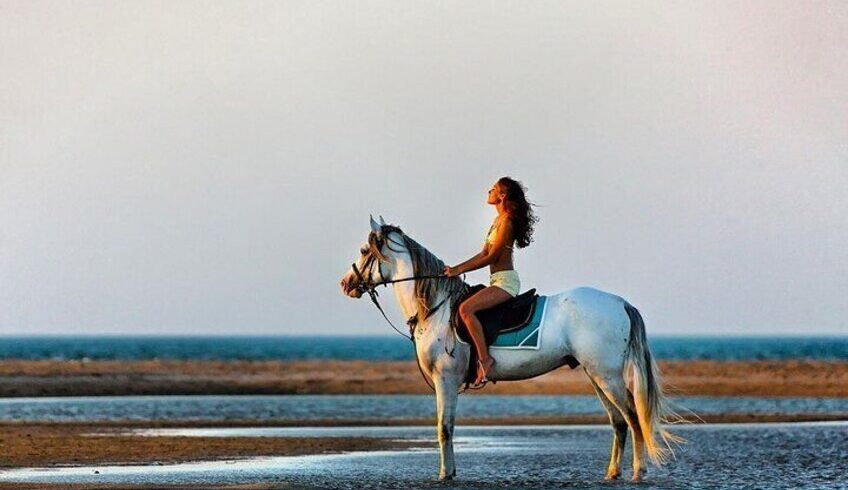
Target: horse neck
404, 291
407, 299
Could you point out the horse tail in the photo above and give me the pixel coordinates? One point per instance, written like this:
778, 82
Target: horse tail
651, 405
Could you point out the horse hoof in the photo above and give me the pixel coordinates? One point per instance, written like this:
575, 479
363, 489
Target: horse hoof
613, 475
446, 478
638, 476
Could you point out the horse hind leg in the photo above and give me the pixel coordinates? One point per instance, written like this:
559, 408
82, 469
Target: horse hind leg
619, 435
615, 389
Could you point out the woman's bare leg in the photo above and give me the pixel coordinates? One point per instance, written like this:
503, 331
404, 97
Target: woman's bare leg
481, 300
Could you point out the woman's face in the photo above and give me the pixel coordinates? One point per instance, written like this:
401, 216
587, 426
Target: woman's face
496, 195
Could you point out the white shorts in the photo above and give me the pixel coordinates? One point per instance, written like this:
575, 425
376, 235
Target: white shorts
506, 280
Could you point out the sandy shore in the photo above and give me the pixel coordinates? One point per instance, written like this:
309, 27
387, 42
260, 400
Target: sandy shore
84, 378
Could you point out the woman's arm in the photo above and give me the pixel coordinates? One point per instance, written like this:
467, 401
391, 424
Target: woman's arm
469, 261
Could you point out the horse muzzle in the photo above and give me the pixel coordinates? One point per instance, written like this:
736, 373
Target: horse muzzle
350, 290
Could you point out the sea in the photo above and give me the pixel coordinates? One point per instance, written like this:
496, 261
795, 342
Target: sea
380, 348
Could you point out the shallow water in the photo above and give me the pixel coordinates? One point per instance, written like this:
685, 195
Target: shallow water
773, 456
366, 407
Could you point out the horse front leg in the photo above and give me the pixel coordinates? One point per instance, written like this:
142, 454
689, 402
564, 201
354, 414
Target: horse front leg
446, 398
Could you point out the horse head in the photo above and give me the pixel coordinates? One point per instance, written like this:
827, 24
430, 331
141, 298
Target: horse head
376, 261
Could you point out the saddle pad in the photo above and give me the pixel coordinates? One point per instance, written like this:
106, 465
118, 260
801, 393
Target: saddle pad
526, 337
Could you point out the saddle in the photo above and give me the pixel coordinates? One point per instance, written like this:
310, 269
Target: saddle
511, 315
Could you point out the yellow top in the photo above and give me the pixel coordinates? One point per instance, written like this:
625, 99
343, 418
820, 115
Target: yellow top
490, 238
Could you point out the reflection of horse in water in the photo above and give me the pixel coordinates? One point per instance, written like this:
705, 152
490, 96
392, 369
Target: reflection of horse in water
599, 330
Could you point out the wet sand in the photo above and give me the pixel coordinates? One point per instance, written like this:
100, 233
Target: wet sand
50, 444
42, 445
88, 378
714, 456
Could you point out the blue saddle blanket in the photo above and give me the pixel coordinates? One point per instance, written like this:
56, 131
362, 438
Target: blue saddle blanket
527, 337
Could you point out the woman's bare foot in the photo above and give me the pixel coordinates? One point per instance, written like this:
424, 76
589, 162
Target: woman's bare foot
483, 369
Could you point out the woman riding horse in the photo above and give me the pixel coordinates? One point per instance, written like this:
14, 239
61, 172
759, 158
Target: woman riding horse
512, 226
600, 330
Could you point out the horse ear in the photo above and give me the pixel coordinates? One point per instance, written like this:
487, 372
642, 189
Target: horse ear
382, 221
374, 225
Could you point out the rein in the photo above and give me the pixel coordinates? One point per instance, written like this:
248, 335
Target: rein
371, 289
383, 283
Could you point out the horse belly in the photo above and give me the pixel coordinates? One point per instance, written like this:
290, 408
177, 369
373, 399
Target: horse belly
515, 366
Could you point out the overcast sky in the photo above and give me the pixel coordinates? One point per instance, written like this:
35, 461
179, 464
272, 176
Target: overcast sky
209, 168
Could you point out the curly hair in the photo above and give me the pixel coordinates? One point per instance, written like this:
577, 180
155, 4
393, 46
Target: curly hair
519, 209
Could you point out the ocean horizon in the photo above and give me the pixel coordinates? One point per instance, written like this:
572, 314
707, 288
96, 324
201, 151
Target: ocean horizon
379, 347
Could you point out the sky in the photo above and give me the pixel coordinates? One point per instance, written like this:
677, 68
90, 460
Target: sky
210, 167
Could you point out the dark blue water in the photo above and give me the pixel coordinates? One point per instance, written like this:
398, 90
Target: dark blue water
383, 348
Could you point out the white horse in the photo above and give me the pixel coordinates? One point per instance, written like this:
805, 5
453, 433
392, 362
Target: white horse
600, 330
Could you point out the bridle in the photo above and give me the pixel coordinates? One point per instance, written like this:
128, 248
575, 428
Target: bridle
370, 287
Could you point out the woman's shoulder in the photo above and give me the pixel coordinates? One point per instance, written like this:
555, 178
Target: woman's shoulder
505, 221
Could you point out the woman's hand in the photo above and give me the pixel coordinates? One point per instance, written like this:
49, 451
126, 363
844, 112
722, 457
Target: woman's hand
451, 271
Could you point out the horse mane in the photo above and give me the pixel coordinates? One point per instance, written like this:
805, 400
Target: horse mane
424, 263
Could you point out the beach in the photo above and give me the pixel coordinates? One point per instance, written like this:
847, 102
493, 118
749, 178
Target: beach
61, 444
37, 378
723, 456
145, 389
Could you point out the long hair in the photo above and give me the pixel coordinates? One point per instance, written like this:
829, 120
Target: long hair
519, 209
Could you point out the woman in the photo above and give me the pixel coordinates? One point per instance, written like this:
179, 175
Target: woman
512, 226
